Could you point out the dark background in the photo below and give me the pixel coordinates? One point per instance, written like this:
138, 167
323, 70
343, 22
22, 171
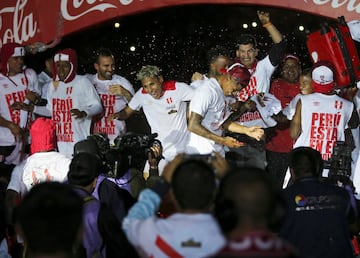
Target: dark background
177, 39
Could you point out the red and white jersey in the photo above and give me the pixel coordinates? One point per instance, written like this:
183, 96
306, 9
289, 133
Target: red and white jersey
210, 102
111, 104
178, 235
44, 167
323, 121
259, 80
13, 89
78, 94
167, 115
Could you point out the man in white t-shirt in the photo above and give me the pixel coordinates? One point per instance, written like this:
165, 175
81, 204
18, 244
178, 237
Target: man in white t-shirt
209, 114
260, 70
164, 105
115, 93
218, 59
16, 86
72, 101
321, 118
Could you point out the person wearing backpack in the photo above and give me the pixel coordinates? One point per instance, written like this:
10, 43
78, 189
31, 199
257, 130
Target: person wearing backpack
103, 236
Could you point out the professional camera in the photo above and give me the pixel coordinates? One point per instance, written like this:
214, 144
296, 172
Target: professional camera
129, 151
340, 165
340, 162
136, 143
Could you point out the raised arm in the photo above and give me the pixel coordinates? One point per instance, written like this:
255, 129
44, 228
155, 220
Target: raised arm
264, 18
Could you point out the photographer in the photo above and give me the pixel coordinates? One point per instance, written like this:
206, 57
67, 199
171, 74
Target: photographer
120, 181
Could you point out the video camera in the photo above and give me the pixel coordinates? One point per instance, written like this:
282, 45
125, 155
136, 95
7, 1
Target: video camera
136, 143
339, 165
340, 162
129, 151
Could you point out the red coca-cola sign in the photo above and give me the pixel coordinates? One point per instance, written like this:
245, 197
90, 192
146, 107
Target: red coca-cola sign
28, 21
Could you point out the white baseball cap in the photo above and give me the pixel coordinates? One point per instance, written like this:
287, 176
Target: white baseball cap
322, 79
18, 51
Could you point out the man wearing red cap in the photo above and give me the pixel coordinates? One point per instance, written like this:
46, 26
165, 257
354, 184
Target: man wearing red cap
15, 85
72, 101
321, 117
209, 113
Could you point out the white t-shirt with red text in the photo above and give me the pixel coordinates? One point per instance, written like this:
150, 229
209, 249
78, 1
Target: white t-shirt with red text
262, 115
111, 104
78, 94
259, 80
13, 89
323, 121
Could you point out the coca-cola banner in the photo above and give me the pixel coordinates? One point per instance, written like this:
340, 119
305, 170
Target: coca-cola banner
29, 21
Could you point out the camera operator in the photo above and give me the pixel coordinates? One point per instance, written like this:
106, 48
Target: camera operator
120, 180
318, 213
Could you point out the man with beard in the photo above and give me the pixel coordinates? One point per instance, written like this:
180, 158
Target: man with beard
115, 93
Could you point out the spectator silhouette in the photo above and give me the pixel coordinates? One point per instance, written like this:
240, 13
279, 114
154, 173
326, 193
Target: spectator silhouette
50, 221
246, 207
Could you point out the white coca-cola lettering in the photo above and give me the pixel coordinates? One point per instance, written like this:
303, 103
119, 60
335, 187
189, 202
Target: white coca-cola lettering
93, 6
23, 26
126, 2
351, 5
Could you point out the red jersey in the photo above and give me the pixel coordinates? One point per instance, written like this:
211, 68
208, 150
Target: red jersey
279, 139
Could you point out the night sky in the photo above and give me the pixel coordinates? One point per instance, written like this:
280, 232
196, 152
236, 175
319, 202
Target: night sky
177, 38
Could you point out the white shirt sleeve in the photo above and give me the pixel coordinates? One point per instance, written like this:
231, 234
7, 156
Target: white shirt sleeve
16, 183
136, 101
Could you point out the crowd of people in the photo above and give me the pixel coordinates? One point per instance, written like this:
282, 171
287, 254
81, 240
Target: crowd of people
243, 165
